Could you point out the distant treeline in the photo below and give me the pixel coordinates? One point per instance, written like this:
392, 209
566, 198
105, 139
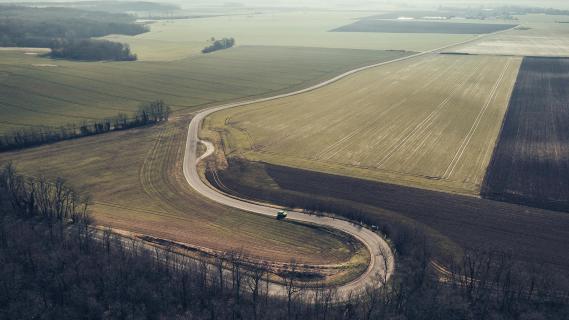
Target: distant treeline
113, 6
498, 12
65, 29
518, 10
92, 50
148, 114
217, 45
169, 16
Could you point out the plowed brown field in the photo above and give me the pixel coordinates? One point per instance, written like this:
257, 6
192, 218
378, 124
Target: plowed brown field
531, 161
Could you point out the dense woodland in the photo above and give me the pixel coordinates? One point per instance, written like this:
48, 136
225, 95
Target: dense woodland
92, 50
147, 114
217, 45
140, 7
54, 266
66, 31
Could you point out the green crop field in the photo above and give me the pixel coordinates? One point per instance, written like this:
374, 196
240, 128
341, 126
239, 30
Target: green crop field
37, 91
136, 183
171, 40
430, 122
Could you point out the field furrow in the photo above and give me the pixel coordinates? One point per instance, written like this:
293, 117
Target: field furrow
70, 90
531, 161
425, 122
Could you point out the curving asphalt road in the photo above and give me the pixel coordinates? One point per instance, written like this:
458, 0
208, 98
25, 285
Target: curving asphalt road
381, 267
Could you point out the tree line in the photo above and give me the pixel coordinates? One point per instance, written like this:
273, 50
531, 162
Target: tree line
56, 267
42, 198
147, 114
217, 45
91, 50
67, 31
126, 6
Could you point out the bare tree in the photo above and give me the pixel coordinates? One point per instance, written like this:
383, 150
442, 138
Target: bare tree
236, 267
255, 276
291, 287
220, 268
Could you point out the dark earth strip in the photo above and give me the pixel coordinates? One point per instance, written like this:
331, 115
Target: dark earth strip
530, 165
531, 235
391, 26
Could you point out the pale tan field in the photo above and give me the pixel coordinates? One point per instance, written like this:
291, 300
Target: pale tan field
429, 122
522, 44
538, 36
178, 39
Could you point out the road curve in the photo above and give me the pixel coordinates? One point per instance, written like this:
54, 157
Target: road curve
380, 267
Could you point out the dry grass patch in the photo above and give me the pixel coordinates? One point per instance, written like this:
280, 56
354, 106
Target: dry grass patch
137, 184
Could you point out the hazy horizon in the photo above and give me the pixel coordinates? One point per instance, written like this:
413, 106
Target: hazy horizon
356, 4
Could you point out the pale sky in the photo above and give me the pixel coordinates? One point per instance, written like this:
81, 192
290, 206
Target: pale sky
560, 4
